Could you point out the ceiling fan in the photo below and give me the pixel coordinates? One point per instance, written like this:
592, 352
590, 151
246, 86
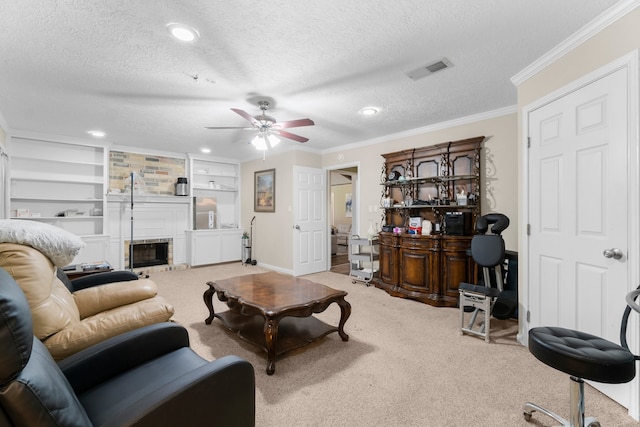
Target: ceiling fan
268, 128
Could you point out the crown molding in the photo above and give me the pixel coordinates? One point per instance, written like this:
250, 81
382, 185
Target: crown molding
426, 129
26, 134
602, 21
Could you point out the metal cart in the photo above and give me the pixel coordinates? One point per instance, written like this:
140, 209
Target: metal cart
363, 259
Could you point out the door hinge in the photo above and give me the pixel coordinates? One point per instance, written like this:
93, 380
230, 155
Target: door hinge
528, 142
528, 229
528, 316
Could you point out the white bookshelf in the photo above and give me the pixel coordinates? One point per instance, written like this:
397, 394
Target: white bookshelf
59, 183
218, 181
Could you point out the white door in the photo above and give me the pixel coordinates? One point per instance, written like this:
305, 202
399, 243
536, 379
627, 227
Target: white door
310, 221
577, 209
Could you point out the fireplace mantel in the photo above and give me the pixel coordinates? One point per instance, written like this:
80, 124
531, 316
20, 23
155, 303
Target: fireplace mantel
142, 198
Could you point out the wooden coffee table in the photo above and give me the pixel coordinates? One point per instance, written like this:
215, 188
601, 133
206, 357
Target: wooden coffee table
274, 311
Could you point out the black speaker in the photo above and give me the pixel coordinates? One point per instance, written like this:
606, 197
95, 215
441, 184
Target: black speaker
457, 223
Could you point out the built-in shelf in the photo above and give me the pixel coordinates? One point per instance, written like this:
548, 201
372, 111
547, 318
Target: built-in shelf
17, 159
51, 199
37, 177
61, 218
215, 211
212, 189
51, 177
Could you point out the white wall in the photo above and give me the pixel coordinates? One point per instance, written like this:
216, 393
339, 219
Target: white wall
339, 193
272, 243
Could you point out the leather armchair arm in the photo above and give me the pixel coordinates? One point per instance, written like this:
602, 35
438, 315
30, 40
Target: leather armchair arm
227, 383
102, 278
108, 358
101, 298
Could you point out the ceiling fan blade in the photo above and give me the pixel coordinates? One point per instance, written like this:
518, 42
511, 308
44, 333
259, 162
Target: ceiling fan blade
290, 135
293, 123
247, 116
227, 127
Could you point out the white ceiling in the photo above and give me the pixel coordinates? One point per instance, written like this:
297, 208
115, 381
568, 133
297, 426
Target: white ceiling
69, 66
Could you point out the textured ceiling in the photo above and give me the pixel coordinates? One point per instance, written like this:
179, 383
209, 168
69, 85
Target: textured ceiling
68, 66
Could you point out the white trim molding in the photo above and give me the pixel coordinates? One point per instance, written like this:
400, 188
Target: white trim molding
602, 21
426, 129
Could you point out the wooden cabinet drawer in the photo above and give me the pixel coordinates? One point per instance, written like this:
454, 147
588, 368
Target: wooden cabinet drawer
457, 243
420, 243
408, 243
387, 239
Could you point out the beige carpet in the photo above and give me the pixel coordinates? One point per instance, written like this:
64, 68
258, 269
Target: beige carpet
405, 364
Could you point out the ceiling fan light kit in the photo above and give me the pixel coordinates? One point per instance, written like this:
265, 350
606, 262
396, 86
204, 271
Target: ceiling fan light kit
268, 127
264, 141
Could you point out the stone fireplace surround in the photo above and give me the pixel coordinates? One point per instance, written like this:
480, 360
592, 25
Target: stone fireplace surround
159, 173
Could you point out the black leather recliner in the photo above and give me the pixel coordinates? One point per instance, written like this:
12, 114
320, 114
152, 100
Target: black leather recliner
95, 279
146, 377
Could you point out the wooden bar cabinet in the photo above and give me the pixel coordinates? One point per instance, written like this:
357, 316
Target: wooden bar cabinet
423, 183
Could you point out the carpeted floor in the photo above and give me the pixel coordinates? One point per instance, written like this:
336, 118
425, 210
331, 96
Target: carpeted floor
405, 364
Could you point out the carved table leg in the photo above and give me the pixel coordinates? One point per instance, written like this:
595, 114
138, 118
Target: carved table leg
271, 338
208, 301
345, 312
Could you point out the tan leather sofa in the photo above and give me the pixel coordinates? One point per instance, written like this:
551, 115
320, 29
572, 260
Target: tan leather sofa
68, 322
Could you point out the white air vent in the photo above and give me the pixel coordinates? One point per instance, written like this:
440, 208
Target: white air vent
429, 69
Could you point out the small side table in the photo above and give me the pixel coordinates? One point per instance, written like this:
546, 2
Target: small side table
74, 272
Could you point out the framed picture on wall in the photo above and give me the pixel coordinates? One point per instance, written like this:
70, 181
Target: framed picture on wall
264, 198
347, 205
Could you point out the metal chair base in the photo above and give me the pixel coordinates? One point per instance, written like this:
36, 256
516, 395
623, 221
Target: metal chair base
576, 405
480, 303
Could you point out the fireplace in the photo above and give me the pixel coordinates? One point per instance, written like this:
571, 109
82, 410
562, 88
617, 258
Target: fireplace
148, 253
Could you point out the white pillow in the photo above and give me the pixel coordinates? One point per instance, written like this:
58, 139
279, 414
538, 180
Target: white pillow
57, 244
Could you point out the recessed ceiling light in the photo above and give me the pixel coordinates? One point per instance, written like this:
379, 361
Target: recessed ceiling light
96, 133
183, 32
369, 111
205, 150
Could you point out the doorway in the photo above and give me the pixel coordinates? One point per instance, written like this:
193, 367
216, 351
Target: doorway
582, 201
343, 208
310, 221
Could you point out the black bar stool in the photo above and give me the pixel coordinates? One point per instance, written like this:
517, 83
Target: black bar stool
583, 356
